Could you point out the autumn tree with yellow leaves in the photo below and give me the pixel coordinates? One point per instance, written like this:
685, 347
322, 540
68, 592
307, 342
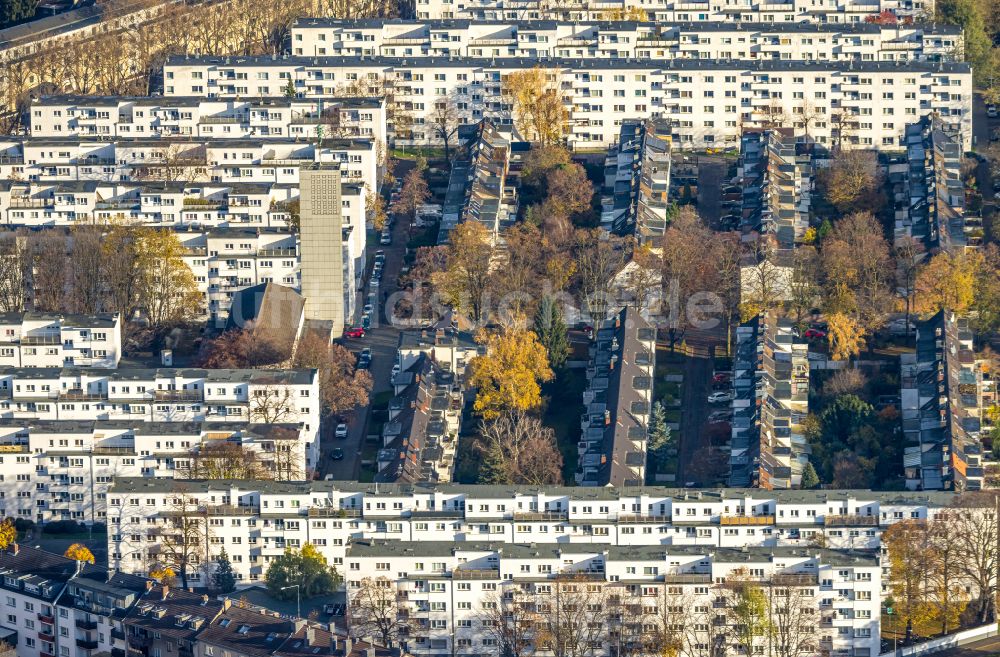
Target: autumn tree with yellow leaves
539, 113
8, 533
846, 336
508, 376
948, 281
79, 552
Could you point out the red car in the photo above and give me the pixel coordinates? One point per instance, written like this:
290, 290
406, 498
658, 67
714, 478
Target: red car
813, 334
356, 332
722, 377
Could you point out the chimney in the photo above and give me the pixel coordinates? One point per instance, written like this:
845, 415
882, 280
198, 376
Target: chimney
348, 646
166, 591
370, 651
334, 644
310, 635
204, 600
149, 585
15, 548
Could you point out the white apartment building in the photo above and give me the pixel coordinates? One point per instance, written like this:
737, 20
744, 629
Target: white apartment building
62, 469
708, 102
794, 11
30, 339
617, 592
227, 260
318, 37
255, 520
167, 395
117, 117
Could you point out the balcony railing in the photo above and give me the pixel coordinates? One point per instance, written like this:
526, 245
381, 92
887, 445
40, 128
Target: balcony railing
86, 625
746, 520
850, 521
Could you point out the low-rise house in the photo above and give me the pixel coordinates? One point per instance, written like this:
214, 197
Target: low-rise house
930, 198
617, 403
420, 438
479, 188
637, 181
770, 403
777, 184
941, 406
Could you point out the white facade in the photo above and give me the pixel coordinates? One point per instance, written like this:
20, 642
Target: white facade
225, 261
821, 11
708, 102
157, 116
210, 182
317, 37
256, 520
54, 340
442, 588
167, 395
62, 469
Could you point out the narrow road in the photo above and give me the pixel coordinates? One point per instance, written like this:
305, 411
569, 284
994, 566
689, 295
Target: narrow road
383, 340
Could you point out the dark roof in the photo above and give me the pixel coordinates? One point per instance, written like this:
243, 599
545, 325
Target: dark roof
247, 632
22, 568
312, 640
173, 613
272, 309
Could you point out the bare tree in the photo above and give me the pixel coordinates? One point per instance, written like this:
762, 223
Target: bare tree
446, 119
184, 539
599, 257
519, 449
14, 265
85, 267
973, 528
794, 616
909, 253
375, 611
273, 405
574, 622
511, 619
222, 459
48, 254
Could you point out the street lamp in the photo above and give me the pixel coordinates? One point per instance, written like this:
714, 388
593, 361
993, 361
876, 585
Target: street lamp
298, 598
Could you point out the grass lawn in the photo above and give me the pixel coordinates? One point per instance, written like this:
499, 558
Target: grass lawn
413, 152
563, 412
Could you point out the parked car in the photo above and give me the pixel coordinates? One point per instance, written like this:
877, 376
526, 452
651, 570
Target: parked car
722, 377
341, 431
368, 309
815, 334
386, 239
354, 332
720, 416
395, 371
337, 454
379, 256
719, 397
366, 321
328, 609
991, 111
